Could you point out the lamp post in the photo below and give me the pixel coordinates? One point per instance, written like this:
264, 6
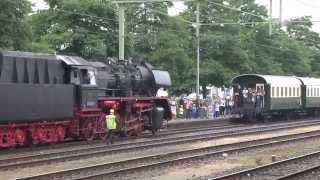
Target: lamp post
198, 53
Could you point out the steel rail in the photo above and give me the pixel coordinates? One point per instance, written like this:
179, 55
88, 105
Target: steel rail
249, 173
303, 174
198, 129
70, 144
43, 159
122, 168
84, 145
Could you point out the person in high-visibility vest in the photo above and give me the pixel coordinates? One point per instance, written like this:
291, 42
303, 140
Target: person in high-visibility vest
111, 125
181, 113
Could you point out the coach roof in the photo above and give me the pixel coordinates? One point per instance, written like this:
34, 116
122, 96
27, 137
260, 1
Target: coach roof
310, 81
270, 79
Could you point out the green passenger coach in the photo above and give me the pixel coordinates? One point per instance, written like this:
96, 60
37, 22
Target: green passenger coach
310, 89
264, 95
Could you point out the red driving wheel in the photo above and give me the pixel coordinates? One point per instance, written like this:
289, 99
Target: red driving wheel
20, 136
88, 132
61, 132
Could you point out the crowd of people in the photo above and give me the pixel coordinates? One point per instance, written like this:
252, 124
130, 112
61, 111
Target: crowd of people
211, 107
252, 96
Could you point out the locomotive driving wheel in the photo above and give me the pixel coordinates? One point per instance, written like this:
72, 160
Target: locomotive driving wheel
88, 130
61, 132
20, 136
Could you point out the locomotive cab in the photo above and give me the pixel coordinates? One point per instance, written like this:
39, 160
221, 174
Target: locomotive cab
82, 75
86, 90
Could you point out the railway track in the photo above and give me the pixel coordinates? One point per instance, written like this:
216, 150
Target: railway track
197, 129
84, 145
86, 153
43, 159
309, 173
285, 169
184, 124
136, 166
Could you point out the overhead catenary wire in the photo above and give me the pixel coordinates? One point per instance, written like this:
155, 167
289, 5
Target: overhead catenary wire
308, 5
166, 14
253, 23
146, 1
83, 14
182, 19
190, 22
235, 9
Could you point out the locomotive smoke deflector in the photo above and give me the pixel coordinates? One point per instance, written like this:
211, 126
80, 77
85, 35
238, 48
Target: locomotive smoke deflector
162, 78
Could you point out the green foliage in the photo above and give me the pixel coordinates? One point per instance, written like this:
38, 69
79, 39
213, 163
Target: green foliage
13, 30
90, 28
80, 27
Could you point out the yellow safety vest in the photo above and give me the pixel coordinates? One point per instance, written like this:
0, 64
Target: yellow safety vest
181, 111
111, 122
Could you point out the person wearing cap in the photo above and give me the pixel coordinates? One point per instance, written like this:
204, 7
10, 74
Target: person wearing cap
111, 125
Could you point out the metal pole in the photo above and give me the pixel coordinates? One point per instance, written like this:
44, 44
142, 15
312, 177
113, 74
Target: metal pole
121, 32
270, 19
198, 52
280, 13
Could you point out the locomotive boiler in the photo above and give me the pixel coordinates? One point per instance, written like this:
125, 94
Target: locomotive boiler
47, 98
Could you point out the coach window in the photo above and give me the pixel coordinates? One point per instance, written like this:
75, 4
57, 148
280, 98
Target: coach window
318, 92
313, 92
298, 92
277, 92
289, 91
309, 90
282, 92
294, 92
272, 91
286, 92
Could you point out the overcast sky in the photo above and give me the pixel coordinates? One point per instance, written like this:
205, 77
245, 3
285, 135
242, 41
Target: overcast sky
291, 8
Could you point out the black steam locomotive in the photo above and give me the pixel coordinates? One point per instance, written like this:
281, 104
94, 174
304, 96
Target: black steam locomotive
47, 98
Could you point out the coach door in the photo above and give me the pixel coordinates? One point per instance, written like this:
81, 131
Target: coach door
260, 92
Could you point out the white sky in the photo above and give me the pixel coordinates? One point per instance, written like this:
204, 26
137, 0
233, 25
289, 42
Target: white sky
291, 9
39, 4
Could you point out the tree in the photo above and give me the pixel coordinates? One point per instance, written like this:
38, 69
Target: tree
234, 38
300, 29
81, 27
13, 31
171, 54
